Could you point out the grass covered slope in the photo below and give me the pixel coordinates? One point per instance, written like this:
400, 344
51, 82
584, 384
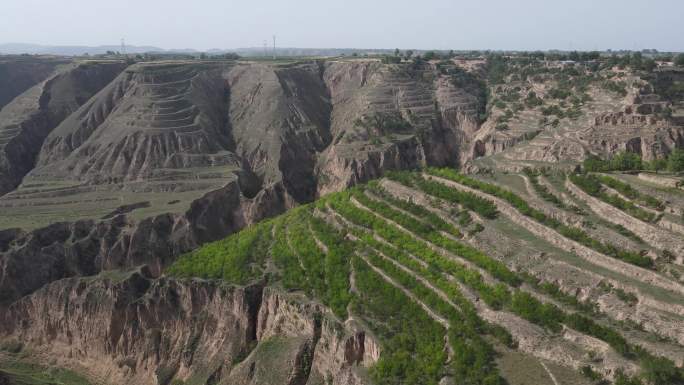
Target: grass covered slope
15, 371
412, 272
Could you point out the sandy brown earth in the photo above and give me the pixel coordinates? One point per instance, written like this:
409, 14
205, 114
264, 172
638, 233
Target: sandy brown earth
107, 165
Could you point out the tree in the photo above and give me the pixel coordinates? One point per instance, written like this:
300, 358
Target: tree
231, 56
626, 161
675, 162
679, 60
430, 55
636, 60
648, 64
408, 53
397, 52
658, 164
391, 59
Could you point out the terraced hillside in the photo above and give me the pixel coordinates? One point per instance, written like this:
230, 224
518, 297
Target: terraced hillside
446, 277
561, 112
555, 257
164, 156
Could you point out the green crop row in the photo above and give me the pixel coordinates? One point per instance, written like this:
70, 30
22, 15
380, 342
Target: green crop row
494, 267
591, 185
631, 192
419, 211
524, 208
466, 199
497, 296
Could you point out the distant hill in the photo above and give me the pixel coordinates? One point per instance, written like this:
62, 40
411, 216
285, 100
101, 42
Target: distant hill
75, 50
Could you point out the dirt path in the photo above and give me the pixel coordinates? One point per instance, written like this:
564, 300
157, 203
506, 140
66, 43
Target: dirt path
553, 378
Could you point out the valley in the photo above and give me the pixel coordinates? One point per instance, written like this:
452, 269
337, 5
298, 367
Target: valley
477, 219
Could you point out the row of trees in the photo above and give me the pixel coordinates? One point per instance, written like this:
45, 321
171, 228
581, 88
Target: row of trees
654, 369
426, 231
498, 296
413, 343
547, 195
592, 186
629, 161
467, 200
632, 193
474, 362
524, 208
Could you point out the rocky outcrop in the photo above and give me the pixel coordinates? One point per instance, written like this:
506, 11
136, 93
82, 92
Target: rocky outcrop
338, 170
131, 328
418, 118
280, 119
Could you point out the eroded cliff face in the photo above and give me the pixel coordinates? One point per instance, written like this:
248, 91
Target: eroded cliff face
29, 118
280, 120
391, 117
19, 73
132, 328
29, 260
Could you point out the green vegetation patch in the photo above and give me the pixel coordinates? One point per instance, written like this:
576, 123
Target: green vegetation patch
524, 208
19, 372
310, 254
591, 185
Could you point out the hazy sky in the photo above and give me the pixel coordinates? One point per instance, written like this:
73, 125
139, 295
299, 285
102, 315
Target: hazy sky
423, 24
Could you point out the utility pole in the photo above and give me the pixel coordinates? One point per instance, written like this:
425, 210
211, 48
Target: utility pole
274, 48
265, 48
123, 46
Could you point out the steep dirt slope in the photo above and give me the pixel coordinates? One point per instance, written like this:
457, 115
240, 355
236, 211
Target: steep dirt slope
391, 117
29, 118
19, 73
280, 119
423, 277
138, 165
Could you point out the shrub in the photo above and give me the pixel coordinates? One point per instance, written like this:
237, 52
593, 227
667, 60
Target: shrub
679, 59
675, 161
